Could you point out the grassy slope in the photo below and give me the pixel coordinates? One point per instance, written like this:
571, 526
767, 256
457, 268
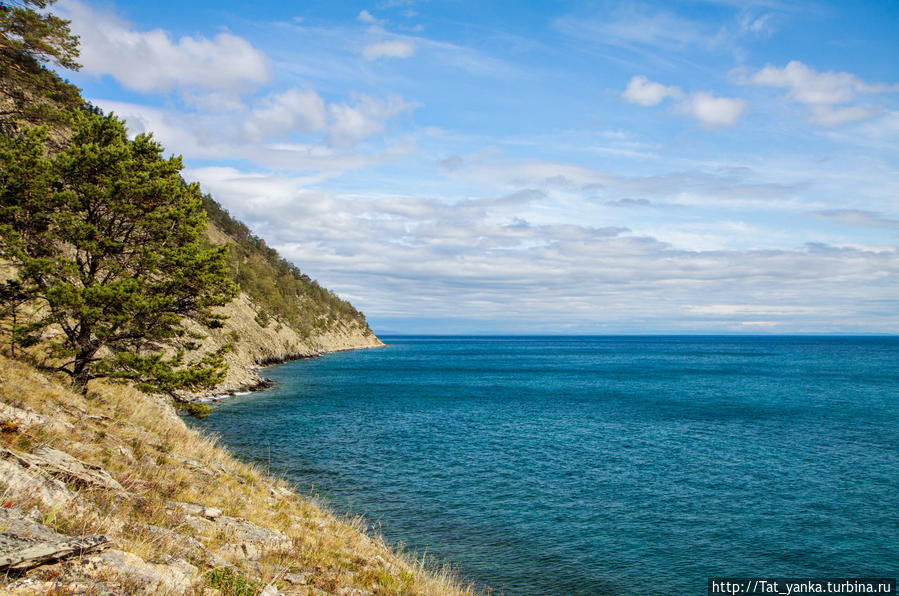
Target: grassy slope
156, 458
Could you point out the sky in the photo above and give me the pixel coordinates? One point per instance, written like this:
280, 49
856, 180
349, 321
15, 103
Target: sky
566, 167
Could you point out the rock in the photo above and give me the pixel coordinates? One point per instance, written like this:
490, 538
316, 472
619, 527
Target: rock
27, 418
25, 543
126, 453
246, 540
242, 550
213, 469
269, 590
246, 531
65, 467
195, 509
278, 491
30, 586
127, 568
24, 484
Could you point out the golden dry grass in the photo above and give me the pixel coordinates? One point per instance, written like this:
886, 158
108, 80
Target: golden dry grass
148, 449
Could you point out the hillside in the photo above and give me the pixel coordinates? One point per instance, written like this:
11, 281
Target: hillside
280, 314
111, 493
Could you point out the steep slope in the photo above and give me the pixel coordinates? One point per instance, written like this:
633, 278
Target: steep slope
111, 493
281, 314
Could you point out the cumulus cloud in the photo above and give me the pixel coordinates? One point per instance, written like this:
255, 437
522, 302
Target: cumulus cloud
152, 61
644, 92
224, 136
710, 111
824, 93
388, 49
714, 112
366, 17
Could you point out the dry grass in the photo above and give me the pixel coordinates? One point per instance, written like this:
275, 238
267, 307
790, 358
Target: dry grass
146, 447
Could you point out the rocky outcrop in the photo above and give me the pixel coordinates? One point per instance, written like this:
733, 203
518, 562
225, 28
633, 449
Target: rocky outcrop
255, 345
63, 466
26, 543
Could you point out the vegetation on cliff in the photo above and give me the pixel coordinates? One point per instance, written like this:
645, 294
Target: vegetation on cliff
279, 288
108, 245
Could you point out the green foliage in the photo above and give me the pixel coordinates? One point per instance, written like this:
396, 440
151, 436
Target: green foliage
193, 408
279, 287
262, 318
230, 582
28, 41
110, 242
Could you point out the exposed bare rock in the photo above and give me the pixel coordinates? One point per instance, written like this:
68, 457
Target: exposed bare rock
246, 540
125, 568
194, 509
273, 343
28, 418
64, 467
200, 466
25, 543
246, 531
30, 483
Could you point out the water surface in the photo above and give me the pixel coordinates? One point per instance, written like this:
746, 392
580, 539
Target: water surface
599, 465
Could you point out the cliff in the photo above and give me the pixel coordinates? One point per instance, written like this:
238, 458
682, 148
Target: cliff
280, 315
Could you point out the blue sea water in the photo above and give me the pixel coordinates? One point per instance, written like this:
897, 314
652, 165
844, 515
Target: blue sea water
599, 465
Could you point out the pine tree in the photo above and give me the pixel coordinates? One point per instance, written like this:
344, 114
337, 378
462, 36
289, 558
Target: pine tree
109, 245
29, 40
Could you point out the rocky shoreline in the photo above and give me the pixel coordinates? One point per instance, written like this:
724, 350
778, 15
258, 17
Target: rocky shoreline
260, 383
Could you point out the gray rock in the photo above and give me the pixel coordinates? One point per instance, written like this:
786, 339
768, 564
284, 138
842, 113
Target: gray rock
241, 530
23, 483
128, 567
25, 543
194, 509
64, 467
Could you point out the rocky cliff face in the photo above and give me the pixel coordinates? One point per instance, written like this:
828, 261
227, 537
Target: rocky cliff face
256, 345
260, 340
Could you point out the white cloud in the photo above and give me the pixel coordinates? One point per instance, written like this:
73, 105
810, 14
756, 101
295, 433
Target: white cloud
223, 136
152, 61
281, 114
824, 93
809, 86
714, 112
710, 111
641, 90
366, 117
366, 17
408, 256
388, 49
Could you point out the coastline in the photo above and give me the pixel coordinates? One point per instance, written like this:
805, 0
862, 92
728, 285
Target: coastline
261, 383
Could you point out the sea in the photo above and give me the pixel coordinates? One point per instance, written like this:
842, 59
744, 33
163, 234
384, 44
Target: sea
597, 465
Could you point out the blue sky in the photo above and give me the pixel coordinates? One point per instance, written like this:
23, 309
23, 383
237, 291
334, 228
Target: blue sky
553, 167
